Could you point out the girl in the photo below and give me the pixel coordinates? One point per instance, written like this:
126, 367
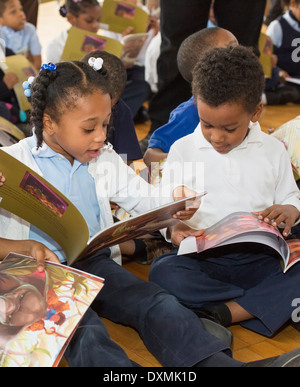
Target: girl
71, 108
242, 282
84, 14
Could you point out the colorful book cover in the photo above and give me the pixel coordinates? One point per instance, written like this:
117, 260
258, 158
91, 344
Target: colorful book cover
39, 312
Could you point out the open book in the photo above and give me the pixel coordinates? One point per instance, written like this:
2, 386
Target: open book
29, 196
242, 227
19, 65
289, 134
47, 306
81, 42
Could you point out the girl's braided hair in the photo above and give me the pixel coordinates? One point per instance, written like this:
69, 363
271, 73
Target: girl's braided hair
54, 92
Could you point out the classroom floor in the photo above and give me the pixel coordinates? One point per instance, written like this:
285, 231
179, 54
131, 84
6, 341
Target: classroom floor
247, 346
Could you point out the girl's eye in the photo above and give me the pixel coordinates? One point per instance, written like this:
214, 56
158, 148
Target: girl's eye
88, 130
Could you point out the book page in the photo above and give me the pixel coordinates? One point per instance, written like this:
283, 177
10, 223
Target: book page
29, 196
37, 330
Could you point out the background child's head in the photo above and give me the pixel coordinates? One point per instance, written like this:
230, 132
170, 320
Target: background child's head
229, 75
84, 14
294, 6
194, 47
12, 14
56, 92
117, 75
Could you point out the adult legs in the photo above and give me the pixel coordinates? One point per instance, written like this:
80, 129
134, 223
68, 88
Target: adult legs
179, 19
246, 22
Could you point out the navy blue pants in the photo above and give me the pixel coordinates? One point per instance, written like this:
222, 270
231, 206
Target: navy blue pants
250, 275
171, 332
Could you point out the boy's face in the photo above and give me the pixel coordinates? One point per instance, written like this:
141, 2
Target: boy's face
226, 126
89, 20
13, 16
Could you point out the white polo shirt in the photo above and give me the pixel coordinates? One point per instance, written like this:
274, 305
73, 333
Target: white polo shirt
251, 177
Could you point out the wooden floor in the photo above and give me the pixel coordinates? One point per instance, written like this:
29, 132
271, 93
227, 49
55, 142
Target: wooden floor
247, 346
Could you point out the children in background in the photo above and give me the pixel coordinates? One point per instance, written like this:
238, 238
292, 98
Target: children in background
83, 14
86, 15
19, 36
184, 119
121, 133
71, 109
242, 282
285, 35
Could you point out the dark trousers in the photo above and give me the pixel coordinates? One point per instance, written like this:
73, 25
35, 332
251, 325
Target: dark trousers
251, 276
137, 90
179, 19
171, 332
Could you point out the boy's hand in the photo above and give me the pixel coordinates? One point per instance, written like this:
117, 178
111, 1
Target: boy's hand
277, 214
180, 231
181, 192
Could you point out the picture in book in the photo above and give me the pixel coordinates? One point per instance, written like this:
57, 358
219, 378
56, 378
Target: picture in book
39, 311
241, 227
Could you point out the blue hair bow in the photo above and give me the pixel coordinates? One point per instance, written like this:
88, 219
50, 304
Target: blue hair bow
49, 66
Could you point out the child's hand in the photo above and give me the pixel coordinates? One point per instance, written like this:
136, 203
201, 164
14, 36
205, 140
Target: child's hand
129, 30
2, 179
180, 231
181, 192
277, 214
41, 253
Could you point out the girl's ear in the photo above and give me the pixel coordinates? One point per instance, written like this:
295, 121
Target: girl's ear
256, 115
71, 19
48, 126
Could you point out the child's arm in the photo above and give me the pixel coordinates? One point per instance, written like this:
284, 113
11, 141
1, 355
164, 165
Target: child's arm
36, 60
277, 214
28, 247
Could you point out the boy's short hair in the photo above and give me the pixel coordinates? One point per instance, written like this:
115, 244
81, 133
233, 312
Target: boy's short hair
3, 6
194, 47
229, 75
117, 75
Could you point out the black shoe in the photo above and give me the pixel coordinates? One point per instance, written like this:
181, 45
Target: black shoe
283, 95
291, 359
218, 330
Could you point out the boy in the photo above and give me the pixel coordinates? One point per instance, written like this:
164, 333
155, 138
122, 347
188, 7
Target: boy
19, 36
184, 119
241, 282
